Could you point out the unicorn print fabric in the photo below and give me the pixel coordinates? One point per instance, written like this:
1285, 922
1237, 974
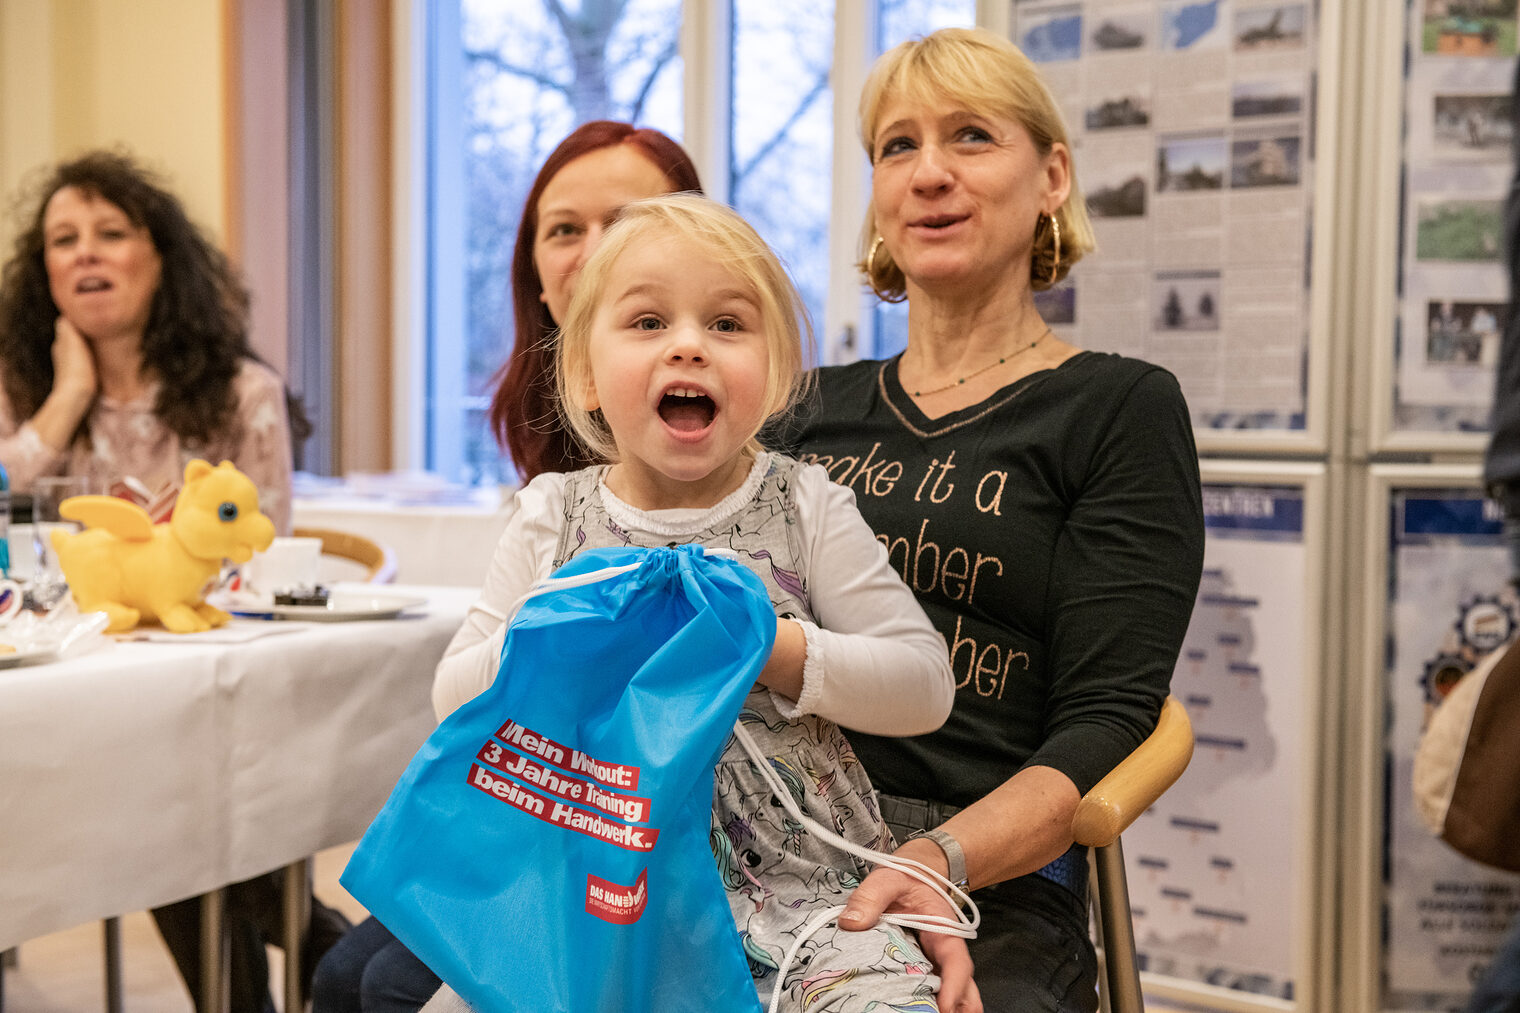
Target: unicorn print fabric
548, 851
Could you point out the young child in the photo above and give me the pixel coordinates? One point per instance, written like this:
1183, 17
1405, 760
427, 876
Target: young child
683, 337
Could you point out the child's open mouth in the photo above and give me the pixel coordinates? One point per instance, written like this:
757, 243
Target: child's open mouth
687, 411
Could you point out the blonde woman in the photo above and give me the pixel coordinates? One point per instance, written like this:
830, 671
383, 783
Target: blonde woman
1042, 501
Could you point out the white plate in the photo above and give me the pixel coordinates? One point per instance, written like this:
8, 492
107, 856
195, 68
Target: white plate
22, 657
341, 606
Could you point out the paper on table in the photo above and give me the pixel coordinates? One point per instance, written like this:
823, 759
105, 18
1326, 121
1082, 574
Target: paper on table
235, 632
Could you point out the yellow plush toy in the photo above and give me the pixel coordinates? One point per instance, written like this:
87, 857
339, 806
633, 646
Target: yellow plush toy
131, 569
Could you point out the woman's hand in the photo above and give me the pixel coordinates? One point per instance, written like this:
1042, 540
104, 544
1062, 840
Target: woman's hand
887, 890
73, 363
75, 384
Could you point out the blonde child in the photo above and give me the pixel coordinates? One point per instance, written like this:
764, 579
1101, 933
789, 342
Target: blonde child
684, 336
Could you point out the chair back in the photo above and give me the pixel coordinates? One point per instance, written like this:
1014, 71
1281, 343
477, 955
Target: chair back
378, 562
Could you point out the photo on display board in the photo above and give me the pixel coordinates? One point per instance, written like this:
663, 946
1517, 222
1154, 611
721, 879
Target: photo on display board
1483, 28
1131, 110
1119, 31
1053, 35
1464, 333
1471, 127
1267, 161
1190, 163
1128, 110
1276, 26
1116, 191
1191, 26
1279, 95
1459, 230
1185, 301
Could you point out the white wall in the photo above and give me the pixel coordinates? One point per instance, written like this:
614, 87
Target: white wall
145, 74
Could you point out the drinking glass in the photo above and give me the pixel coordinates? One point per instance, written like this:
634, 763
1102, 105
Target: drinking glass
48, 583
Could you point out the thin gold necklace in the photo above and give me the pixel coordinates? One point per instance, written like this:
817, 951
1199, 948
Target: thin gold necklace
991, 365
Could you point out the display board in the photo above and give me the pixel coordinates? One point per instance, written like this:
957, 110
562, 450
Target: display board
1446, 603
1221, 872
1193, 126
1451, 290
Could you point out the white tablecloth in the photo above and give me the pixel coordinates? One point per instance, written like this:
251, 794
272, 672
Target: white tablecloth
444, 544
146, 772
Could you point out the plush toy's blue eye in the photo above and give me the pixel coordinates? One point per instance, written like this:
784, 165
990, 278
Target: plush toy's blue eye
227, 511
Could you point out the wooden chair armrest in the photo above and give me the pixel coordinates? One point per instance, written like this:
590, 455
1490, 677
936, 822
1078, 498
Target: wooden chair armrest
1138, 781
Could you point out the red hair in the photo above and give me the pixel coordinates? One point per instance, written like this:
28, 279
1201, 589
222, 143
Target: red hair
524, 416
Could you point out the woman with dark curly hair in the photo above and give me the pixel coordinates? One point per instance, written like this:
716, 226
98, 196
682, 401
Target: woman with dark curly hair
123, 354
124, 343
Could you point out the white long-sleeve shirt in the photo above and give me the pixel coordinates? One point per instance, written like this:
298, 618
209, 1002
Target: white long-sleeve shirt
874, 662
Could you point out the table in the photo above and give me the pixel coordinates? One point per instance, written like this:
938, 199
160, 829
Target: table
442, 544
144, 773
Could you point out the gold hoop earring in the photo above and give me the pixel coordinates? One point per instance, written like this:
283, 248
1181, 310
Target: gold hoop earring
871, 256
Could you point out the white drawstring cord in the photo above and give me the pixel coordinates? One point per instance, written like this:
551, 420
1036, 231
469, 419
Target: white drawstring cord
593, 576
566, 583
964, 924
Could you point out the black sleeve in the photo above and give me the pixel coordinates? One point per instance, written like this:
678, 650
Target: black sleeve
1124, 580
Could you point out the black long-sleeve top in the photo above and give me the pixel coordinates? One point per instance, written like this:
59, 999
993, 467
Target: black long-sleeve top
1054, 535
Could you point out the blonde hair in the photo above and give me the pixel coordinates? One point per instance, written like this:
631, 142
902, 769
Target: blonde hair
983, 72
727, 239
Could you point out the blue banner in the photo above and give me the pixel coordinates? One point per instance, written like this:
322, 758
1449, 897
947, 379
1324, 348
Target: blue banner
1253, 508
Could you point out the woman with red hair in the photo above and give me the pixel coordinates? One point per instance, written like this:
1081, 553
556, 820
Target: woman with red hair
598, 168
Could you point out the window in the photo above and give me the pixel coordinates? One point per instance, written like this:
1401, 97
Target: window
507, 79
781, 133
510, 86
901, 19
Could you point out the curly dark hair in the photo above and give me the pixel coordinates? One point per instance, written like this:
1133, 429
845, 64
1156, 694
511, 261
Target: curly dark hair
197, 332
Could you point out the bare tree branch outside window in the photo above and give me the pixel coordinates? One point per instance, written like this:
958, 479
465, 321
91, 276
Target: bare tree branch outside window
534, 69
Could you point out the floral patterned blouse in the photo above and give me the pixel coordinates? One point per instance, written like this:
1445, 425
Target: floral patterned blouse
127, 440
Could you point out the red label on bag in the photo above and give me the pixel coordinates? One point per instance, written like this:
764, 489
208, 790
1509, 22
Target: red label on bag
569, 817
632, 808
616, 775
620, 905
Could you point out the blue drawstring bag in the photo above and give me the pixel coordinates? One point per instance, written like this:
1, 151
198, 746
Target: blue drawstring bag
547, 847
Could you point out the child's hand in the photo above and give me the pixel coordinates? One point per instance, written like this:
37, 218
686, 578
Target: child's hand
952, 962
783, 671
